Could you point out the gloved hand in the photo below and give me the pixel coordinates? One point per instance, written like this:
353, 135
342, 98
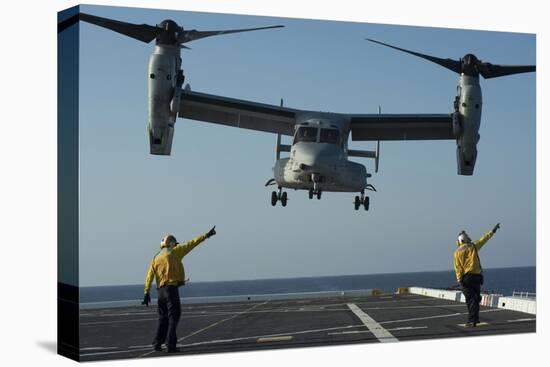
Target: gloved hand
211, 232
146, 299
496, 227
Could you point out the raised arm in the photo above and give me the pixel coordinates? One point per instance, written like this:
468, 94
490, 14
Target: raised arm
486, 237
183, 249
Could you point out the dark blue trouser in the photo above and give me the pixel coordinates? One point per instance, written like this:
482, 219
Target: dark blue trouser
472, 292
169, 310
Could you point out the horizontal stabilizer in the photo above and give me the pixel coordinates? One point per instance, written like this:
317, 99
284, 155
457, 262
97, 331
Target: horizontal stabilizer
375, 154
362, 153
284, 148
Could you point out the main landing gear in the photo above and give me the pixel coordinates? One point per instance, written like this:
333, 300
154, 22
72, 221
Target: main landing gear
276, 196
314, 192
363, 200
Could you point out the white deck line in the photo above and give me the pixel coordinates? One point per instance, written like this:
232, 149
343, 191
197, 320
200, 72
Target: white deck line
436, 317
522, 320
214, 324
383, 335
224, 320
368, 331
134, 348
189, 315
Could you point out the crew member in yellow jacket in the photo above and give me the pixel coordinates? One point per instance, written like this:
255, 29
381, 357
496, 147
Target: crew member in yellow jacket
469, 273
167, 268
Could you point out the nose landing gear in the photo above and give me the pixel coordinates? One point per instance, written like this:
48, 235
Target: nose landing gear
315, 178
276, 196
363, 200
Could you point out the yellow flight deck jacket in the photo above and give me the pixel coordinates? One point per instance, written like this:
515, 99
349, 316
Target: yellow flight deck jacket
167, 267
467, 259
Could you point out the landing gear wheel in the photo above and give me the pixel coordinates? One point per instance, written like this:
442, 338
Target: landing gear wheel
318, 195
361, 201
284, 198
279, 195
274, 198
310, 193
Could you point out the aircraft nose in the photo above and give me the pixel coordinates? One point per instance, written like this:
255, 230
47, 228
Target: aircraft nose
316, 155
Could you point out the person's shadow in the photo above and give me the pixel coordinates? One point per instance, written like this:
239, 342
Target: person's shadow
50, 346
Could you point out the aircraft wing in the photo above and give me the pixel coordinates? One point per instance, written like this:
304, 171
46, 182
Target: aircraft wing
401, 127
237, 113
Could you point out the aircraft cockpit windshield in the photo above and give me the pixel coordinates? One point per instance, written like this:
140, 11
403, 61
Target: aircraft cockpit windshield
306, 134
329, 136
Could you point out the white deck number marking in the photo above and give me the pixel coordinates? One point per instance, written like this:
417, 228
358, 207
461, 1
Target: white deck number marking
383, 335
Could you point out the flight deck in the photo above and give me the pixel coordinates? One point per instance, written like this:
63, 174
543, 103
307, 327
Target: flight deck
127, 332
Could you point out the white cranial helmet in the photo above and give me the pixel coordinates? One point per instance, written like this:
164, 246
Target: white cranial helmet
463, 238
168, 241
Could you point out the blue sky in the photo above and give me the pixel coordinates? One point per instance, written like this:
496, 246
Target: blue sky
215, 175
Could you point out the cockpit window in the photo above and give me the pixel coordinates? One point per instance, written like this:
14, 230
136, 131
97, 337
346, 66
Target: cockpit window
329, 136
307, 134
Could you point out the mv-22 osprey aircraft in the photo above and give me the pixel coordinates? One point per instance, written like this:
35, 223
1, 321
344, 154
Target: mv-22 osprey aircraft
319, 154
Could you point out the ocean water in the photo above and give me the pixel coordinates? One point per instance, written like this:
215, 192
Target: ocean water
499, 280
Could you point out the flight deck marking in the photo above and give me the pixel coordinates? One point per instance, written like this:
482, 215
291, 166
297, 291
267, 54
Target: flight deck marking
522, 320
224, 307
114, 321
368, 331
287, 334
147, 347
212, 325
116, 352
98, 348
216, 313
224, 320
283, 338
125, 313
377, 330
477, 324
408, 328
411, 307
136, 348
437, 316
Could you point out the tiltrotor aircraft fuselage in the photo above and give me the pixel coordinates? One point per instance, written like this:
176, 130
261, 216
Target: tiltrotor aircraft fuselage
318, 158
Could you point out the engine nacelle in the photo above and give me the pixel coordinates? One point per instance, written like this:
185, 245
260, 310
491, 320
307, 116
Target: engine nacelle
466, 123
466, 159
164, 95
160, 140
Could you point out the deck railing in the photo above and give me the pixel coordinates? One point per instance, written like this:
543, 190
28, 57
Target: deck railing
518, 294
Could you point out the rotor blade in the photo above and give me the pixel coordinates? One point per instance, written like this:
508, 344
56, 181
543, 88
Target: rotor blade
142, 32
450, 64
192, 35
493, 71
